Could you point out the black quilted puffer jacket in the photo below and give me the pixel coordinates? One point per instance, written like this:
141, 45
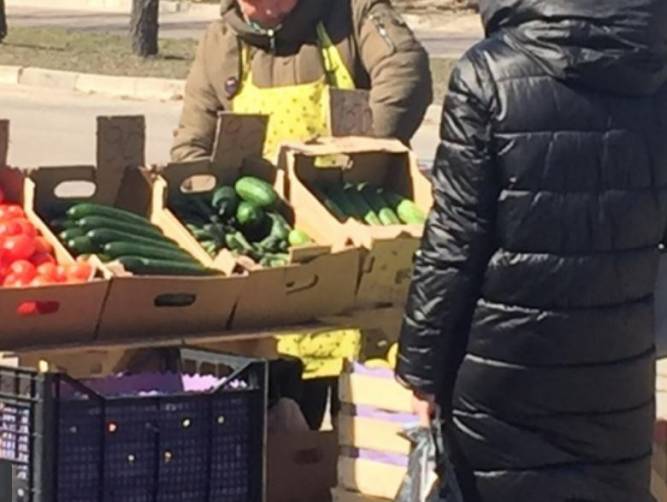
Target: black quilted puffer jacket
531, 310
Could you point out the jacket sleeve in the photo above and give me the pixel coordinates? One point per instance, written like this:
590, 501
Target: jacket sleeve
457, 244
398, 66
196, 129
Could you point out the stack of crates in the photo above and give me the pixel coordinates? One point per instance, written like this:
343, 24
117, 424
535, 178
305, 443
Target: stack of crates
373, 459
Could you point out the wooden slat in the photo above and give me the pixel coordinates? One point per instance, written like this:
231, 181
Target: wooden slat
371, 434
370, 478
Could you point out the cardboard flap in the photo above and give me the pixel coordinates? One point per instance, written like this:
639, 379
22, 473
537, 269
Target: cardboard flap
238, 137
4, 142
11, 181
350, 113
177, 173
345, 146
121, 144
47, 179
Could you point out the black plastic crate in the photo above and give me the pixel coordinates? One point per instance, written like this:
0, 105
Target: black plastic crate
63, 440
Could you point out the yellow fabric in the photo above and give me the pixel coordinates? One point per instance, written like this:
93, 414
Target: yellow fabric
296, 112
300, 112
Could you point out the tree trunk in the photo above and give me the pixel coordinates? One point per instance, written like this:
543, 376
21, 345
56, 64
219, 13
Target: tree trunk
144, 27
3, 21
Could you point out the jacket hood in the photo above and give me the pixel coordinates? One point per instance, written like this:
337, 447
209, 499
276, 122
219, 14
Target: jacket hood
611, 45
298, 27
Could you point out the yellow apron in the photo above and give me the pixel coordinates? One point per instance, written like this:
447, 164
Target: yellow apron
300, 112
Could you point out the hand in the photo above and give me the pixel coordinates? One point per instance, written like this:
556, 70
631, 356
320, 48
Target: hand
424, 407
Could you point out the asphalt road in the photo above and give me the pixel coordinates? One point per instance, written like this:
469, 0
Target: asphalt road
58, 128
451, 42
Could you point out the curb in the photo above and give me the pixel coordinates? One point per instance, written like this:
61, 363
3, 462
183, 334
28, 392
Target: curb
117, 86
166, 6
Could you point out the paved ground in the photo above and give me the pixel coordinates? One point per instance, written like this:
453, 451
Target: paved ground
56, 128
451, 40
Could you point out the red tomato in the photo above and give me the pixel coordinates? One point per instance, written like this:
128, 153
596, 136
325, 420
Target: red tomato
26, 227
79, 272
10, 211
61, 273
48, 270
10, 227
40, 258
2, 196
42, 281
14, 281
20, 247
23, 269
42, 245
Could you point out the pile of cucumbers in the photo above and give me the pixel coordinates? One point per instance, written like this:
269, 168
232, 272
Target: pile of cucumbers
247, 219
369, 204
118, 235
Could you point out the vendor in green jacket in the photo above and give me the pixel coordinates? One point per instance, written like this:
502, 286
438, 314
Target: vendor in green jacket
281, 58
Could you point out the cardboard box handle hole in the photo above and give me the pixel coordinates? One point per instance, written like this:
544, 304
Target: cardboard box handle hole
175, 300
199, 183
35, 308
304, 285
79, 189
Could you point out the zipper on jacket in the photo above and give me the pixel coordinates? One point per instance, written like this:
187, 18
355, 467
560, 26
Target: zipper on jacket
382, 31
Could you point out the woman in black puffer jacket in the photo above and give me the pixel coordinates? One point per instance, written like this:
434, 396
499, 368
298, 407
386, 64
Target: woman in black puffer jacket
531, 311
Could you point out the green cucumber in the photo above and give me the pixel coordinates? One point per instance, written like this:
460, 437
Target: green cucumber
216, 232
82, 245
62, 224
299, 238
225, 201
256, 191
89, 209
339, 197
147, 266
330, 204
211, 247
407, 211
94, 222
102, 236
362, 210
71, 233
118, 249
249, 214
379, 205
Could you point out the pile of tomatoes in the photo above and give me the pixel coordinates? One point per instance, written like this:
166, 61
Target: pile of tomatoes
26, 258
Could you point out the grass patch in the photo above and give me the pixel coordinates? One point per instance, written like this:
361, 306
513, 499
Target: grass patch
86, 52
81, 51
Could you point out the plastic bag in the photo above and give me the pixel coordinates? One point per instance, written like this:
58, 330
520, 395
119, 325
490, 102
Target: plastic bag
428, 458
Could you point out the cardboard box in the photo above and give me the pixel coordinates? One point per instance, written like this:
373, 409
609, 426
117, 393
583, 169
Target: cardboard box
301, 466
343, 495
387, 262
137, 307
373, 388
372, 432
318, 283
659, 460
66, 313
370, 477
